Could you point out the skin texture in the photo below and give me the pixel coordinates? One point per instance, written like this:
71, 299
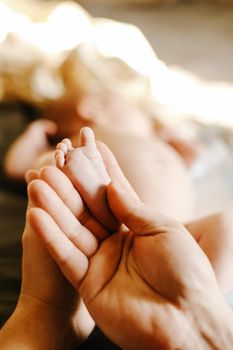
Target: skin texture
178, 289
147, 295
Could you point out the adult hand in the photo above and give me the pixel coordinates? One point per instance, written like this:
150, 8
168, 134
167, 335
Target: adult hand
50, 313
147, 286
156, 281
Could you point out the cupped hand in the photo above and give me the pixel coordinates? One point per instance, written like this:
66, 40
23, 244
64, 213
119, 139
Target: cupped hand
147, 284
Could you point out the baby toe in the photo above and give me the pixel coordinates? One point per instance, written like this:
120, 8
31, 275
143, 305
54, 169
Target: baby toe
62, 147
59, 158
87, 137
68, 143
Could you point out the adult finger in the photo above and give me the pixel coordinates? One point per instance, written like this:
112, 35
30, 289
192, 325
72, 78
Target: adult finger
137, 216
44, 197
31, 175
61, 184
73, 263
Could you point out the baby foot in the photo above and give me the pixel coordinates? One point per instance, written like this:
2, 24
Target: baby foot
86, 170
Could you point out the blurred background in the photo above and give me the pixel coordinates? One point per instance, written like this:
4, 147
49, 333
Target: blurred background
181, 56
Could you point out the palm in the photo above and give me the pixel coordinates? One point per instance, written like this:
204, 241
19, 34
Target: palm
131, 294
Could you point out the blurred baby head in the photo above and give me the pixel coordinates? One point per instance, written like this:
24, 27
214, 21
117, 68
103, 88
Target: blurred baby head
102, 109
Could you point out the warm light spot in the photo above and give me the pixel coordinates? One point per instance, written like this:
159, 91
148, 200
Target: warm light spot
126, 41
68, 25
183, 95
4, 18
178, 93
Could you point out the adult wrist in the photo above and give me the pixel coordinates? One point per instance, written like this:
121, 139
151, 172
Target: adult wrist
38, 326
222, 332
214, 327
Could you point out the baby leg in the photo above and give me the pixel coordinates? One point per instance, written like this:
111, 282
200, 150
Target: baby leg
86, 170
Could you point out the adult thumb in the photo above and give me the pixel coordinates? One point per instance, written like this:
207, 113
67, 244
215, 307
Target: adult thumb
136, 215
